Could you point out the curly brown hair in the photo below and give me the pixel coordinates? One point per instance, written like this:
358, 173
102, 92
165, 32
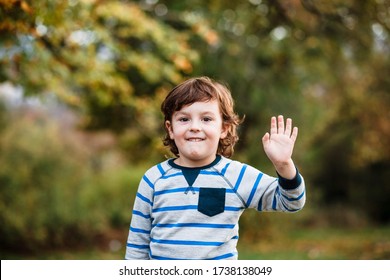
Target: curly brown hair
203, 89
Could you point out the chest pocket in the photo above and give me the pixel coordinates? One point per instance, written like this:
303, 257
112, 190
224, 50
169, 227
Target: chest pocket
211, 201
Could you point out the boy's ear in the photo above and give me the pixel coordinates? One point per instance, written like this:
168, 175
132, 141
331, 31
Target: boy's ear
225, 130
168, 125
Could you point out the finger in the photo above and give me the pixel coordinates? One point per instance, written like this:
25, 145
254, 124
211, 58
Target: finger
294, 134
273, 126
288, 127
280, 124
265, 138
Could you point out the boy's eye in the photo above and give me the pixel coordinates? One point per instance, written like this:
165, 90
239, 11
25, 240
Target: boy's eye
183, 119
207, 119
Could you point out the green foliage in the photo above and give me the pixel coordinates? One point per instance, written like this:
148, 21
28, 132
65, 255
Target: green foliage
35, 195
3, 116
97, 56
53, 191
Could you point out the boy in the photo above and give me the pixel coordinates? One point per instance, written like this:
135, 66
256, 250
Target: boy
188, 207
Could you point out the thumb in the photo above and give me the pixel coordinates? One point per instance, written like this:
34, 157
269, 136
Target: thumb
265, 138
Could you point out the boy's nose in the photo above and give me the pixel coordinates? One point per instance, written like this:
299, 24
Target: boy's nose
195, 126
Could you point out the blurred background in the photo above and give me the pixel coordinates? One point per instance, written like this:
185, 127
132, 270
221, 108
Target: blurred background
81, 82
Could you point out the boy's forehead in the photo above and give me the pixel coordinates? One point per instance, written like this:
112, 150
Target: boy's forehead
211, 106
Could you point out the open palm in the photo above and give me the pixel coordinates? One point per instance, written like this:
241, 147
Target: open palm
279, 142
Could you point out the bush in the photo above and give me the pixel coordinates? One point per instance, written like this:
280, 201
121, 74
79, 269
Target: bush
51, 193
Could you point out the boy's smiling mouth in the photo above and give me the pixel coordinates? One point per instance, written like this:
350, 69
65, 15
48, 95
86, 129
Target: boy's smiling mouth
195, 139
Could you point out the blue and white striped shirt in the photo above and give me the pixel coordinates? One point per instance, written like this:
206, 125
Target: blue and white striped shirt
193, 213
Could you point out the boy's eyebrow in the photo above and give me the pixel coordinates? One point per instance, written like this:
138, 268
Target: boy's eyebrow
202, 113
179, 113
208, 113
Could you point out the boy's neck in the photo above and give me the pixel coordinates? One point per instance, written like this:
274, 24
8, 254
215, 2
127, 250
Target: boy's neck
180, 164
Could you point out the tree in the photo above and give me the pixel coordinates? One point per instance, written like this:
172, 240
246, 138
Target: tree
97, 56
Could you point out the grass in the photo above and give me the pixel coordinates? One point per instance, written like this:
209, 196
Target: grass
302, 244
323, 244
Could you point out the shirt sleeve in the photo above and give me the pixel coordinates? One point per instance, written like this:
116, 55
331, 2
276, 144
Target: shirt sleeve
267, 193
290, 195
289, 184
138, 246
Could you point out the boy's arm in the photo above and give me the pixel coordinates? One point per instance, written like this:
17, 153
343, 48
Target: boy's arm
279, 145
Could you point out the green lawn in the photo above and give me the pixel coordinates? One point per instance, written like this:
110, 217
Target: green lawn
323, 244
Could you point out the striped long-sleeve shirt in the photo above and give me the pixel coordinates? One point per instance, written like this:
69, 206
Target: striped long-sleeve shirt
193, 213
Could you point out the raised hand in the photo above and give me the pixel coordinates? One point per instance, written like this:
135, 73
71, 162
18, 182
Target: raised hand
279, 145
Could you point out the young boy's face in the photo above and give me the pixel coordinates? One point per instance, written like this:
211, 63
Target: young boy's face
196, 130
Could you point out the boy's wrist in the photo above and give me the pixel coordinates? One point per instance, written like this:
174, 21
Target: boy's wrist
287, 169
290, 184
